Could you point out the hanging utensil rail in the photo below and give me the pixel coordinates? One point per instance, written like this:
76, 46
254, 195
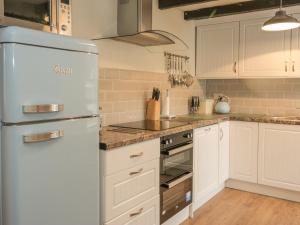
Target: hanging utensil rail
177, 66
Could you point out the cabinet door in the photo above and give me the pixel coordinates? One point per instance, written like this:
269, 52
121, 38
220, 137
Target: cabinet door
279, 156
217, 51
243, 151
295, 56
263, 54
206, 161
223, 152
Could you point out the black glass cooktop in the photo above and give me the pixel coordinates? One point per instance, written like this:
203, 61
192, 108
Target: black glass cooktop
153, 125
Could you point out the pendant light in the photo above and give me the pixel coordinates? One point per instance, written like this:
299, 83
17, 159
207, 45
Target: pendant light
281, 21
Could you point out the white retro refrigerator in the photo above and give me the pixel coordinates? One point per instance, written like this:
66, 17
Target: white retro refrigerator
49, 129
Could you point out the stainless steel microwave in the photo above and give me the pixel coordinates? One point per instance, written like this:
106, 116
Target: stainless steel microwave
46, 15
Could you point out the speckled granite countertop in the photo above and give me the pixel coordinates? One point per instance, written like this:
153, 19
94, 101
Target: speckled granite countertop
110, 138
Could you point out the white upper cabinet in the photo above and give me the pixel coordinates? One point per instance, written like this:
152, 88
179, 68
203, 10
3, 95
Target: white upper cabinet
243, 151
263, 54
295, 54
279, 155
217, 51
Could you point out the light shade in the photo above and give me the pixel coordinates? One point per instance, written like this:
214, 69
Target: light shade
281, 21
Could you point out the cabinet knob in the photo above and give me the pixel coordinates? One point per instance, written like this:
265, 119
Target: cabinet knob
235, 67
286, 66
208, 129
221, 134
293, 67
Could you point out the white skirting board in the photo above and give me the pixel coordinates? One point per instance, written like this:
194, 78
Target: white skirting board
264, 190
208, 196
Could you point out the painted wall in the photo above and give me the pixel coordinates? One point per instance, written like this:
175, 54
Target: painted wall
98, 18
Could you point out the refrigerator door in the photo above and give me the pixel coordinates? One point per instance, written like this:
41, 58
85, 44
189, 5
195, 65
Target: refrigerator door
51, 173
44, 83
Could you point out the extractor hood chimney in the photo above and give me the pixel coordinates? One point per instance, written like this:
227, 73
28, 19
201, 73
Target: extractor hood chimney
135, 25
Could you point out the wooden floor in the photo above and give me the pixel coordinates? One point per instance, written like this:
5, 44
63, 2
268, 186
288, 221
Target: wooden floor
232, 207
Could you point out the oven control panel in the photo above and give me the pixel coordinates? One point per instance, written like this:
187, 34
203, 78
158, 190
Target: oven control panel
172, 140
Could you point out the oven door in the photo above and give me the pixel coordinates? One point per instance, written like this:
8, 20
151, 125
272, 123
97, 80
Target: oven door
38, 14
176, 165
176, 180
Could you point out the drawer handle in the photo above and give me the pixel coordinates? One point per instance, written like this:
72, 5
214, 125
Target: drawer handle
136, 155
33, 138
50, 108
136, 172
137, 213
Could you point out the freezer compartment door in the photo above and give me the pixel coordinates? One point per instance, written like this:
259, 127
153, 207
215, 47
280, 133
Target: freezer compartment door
51, 180
43, 83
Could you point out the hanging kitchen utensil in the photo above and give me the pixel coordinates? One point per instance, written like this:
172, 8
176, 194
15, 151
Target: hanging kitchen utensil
178, 70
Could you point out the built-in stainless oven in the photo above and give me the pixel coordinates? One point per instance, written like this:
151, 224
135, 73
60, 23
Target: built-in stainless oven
176, 173
46, 15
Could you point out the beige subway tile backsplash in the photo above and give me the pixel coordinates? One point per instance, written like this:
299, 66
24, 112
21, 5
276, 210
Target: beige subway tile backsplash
259, 96
123, 94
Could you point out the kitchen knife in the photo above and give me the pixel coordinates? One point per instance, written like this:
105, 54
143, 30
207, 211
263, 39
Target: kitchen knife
157, 94
153, 94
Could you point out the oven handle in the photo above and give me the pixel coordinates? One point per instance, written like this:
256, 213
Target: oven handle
178, 181
178, 150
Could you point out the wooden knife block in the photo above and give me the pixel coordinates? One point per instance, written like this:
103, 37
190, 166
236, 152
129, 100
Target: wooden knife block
153, 110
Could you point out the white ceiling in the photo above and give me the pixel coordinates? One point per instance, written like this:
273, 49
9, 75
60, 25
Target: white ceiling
210, 4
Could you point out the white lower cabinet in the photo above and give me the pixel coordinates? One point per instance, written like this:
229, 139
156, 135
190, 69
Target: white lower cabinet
146, 213
206, 162
243, 151
130, 184
279, 154
224, 152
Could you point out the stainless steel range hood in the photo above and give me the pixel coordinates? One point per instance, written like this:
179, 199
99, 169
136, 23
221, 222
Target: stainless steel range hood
135, 25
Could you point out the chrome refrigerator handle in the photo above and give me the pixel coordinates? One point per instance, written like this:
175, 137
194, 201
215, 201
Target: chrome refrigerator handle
49, 108
42, 137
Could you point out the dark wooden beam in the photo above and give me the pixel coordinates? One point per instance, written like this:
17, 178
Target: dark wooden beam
166, 4
237, 8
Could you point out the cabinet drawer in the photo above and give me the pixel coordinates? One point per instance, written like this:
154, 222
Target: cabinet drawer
146, 213
129, 156
130, 187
